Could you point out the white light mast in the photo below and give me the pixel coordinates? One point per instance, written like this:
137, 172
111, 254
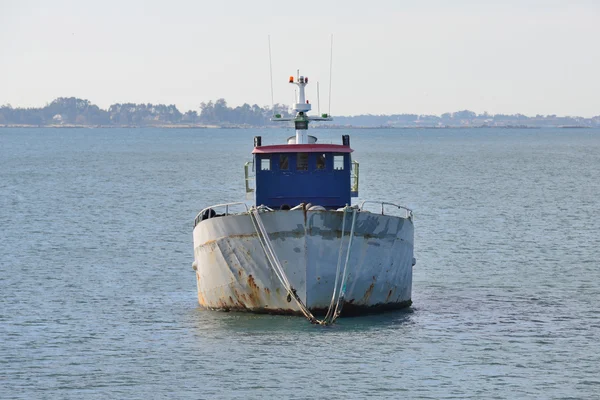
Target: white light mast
301, 107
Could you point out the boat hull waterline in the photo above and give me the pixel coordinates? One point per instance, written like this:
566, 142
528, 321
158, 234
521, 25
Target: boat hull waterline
233, 273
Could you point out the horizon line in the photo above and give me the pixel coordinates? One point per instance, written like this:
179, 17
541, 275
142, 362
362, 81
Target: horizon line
267, 107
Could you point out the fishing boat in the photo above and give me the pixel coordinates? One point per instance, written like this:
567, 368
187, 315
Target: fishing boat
302, 247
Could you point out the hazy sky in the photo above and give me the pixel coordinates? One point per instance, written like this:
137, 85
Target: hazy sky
426, 57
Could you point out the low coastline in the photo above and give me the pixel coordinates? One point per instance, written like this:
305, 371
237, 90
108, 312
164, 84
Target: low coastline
203, 126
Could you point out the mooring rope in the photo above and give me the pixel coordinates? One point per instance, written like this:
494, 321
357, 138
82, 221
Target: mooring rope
275, 264
340, 301
337, 269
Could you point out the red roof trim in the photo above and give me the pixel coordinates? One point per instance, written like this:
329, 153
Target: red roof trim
302, 148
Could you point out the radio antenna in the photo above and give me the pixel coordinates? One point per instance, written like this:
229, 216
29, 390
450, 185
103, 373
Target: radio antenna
330, 68
271, 74
318, 101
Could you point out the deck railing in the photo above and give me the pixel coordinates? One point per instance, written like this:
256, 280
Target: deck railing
226, 205
248, 177
354, 179
408, 211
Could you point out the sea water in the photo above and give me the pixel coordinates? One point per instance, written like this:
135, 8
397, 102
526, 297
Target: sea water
98, 296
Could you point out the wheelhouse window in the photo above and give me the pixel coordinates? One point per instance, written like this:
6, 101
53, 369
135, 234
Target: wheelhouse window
284, 162
302, 161
338, 162
320, 161
265, 164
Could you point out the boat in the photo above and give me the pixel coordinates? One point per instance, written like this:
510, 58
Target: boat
302, 248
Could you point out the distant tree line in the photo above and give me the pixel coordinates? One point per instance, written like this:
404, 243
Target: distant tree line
74, 111
465, 118
218, 113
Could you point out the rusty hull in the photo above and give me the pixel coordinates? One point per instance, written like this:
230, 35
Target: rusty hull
233, 274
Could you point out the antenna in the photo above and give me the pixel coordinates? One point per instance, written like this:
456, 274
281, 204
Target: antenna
271, 73
318, 101
330, 68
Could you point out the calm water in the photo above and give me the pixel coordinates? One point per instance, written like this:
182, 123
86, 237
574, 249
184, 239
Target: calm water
98, 297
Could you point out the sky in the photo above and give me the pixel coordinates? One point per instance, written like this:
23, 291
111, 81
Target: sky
389, 56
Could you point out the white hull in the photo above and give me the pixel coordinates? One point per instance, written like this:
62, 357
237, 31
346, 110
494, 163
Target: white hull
233, 273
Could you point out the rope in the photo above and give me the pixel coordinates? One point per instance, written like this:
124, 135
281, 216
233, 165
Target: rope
337, 270
340, 302
268, 250
275, 264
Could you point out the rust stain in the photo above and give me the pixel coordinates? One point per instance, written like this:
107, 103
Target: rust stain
201, 299
245, 300
253, 300
223, 305
254, 295
389, 295
240, 272
252, 283
368, 293
240, 300
237, 297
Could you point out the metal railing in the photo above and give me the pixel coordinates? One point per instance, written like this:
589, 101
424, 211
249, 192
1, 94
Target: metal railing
354, 179
248, 177
226, 205
408, 211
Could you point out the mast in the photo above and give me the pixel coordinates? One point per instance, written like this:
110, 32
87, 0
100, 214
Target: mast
301, 107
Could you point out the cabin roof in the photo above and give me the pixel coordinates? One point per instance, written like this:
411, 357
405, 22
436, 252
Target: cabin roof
302, 148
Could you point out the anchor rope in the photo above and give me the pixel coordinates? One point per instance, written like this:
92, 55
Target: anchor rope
269, 253
337, 269
267, 246
340, 301
331, 317
275, 264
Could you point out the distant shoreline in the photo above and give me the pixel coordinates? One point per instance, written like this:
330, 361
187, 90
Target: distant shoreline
198, 126
72, 112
